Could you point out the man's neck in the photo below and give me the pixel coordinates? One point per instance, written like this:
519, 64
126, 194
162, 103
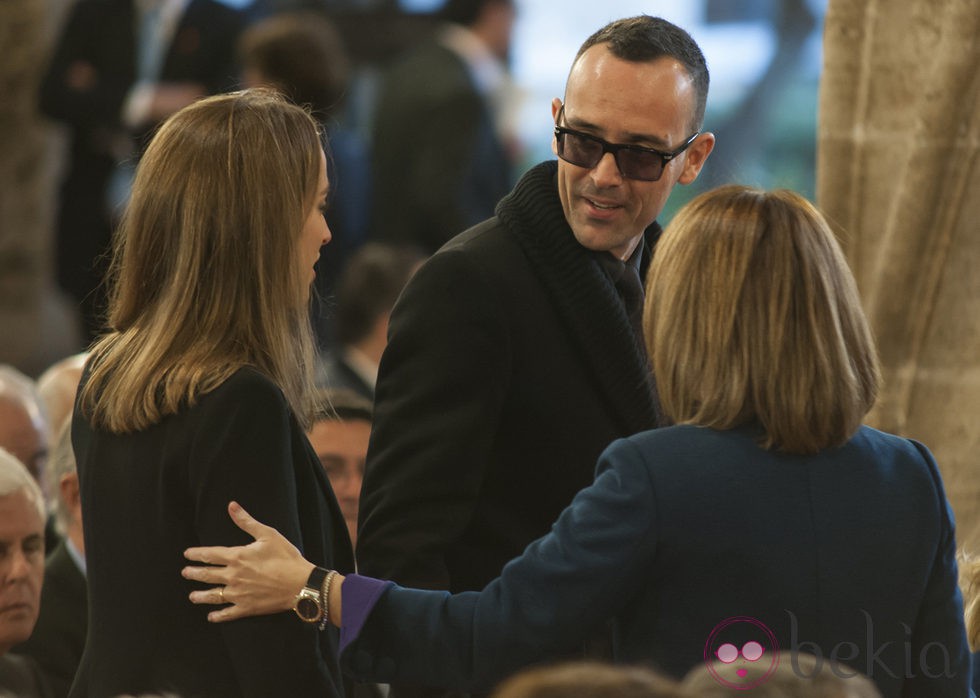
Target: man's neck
623, 254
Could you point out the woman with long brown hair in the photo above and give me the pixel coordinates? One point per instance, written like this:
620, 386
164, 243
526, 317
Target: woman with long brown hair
200, 392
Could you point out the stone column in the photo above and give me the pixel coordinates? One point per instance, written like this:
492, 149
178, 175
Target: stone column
898, 175
36, 328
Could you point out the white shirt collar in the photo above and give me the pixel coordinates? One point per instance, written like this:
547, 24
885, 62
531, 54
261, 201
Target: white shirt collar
486, 69
76, 556
360, 364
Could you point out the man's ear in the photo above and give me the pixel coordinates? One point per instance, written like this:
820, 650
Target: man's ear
555, 108
695, 156
70, 494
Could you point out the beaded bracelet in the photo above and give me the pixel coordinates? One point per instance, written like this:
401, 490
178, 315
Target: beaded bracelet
325, 598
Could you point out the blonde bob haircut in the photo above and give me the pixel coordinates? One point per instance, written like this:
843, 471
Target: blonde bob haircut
205, 277
753, 319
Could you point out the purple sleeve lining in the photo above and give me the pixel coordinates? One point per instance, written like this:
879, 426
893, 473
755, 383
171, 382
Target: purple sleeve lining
358, 597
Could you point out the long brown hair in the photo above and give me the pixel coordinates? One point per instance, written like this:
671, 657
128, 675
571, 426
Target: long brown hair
753, 317
205, 274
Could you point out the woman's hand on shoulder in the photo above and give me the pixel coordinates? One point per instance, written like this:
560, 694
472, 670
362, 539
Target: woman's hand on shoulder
257, 579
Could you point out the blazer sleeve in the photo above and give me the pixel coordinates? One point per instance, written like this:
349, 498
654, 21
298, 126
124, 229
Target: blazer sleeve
441, 389
541, 607
938, 644
242, 451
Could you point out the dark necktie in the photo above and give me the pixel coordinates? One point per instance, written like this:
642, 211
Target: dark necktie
626, 279
631, 290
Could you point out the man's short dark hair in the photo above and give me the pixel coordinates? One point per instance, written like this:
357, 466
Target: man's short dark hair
369, 285
303, 54
643, 38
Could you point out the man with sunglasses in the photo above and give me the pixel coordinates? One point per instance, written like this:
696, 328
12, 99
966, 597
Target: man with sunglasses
512, 359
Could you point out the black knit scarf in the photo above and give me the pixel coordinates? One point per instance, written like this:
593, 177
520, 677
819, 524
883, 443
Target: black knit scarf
584, 297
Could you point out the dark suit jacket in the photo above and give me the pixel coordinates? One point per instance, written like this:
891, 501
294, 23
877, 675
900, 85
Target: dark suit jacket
438, 165
21, 678
510, 365
848, 553
59, 635
148, 495
101, 35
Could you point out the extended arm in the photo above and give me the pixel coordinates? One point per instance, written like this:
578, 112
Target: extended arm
543, 605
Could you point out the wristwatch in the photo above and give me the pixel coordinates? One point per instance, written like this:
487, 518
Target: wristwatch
309, 604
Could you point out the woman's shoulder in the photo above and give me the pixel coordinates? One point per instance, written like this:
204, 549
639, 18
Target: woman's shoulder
869, 437
247, 386
681, 449
893, 452
247, 378
693, 438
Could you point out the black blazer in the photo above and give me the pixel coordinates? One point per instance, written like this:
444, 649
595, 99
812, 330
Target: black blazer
59, 635
147, 496
21, 678
510, 365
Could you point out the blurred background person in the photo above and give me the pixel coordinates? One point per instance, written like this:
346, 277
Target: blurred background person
59, 635
22, 519
365, 295
339, 435
23, 423
588, 679
301, 54
442, 156
797, 675
57, 386
118, 69
26, 432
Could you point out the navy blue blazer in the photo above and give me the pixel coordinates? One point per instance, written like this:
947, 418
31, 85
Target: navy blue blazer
690, 537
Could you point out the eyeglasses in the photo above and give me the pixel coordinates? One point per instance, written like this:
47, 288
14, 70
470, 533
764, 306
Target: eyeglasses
634, 162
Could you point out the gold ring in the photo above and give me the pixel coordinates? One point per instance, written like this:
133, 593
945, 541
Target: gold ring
221, 594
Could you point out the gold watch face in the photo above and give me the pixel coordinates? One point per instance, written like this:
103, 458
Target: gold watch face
308, 609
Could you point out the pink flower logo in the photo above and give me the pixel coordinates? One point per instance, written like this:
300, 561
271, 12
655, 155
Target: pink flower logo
741, 653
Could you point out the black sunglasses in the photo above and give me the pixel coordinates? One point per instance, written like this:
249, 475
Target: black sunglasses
634, 162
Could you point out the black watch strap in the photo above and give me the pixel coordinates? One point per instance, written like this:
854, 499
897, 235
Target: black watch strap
315, 580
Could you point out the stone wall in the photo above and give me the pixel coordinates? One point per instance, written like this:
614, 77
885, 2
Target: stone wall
898, 174
36, 327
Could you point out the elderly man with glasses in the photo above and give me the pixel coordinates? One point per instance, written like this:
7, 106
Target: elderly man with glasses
512, 359
22, 518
